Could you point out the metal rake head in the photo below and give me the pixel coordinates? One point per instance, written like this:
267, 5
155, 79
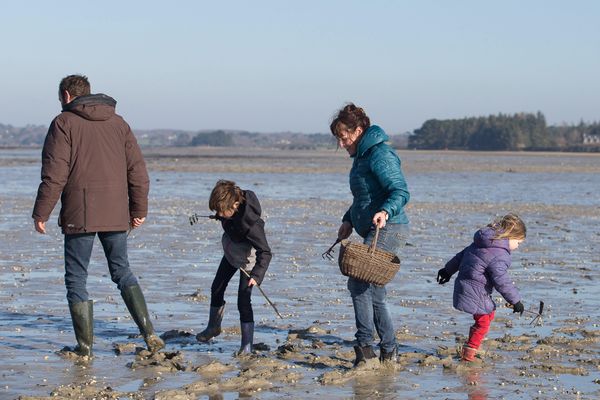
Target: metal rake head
538, 319
329, 253
195, 218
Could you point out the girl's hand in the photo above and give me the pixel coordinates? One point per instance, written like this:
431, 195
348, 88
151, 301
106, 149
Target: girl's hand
345, 230
443, 276
252, 282
380, 219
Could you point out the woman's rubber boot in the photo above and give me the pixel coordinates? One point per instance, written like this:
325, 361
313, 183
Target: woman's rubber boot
247, 338
136, 304
82, 315
363, 354
213, 329
388, 356
468, 354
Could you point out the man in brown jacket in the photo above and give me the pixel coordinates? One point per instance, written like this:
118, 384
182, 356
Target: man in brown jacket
92, 161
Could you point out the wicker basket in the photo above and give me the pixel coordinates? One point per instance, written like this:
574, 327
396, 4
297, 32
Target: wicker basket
368, 263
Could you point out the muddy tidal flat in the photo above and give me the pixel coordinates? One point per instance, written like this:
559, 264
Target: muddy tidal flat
308, 354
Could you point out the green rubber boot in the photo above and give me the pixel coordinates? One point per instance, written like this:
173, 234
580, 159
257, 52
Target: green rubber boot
136, 304
82, 315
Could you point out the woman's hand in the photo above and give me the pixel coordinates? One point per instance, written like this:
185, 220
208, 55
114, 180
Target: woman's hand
380, 219
345, 230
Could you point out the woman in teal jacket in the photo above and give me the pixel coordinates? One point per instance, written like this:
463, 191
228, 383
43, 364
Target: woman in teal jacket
379, 195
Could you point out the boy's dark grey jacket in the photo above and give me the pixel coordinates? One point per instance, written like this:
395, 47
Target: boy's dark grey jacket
246, 227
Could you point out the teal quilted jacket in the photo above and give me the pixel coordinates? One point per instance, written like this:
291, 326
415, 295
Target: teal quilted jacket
376, 182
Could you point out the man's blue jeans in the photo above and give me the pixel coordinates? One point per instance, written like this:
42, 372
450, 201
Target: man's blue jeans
370, 308
78, 250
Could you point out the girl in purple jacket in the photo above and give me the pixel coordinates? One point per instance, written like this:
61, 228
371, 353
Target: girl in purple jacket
482, 267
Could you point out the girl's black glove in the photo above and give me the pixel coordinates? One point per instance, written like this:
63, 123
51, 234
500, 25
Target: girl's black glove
518, 308
443, 276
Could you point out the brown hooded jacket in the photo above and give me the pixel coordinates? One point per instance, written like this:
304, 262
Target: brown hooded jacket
92, 161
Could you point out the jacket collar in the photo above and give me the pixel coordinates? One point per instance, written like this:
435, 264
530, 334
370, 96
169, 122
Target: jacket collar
372, 136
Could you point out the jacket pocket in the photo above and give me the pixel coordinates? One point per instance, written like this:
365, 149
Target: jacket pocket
106, 206
72, 210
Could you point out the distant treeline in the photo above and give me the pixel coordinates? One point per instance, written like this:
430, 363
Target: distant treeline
522, 131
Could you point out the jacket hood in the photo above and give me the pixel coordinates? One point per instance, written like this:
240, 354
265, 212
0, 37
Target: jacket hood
93, 107
373, 136
247, 215
484, 238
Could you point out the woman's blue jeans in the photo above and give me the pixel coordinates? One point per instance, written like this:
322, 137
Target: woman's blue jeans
78, 251
370, 308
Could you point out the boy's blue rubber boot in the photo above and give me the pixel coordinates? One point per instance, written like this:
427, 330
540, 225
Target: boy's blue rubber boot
247, 338
213, 329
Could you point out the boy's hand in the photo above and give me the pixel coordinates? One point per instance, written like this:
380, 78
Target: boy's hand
518, 308
442, 276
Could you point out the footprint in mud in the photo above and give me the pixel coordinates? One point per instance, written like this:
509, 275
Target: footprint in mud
371, 367
124, 348
177, 336
164, 361
69, 354
87, 390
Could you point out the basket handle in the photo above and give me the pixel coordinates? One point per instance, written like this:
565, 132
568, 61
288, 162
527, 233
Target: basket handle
374, 242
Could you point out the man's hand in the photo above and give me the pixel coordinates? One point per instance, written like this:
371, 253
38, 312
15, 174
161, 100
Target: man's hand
252, 282
40, 226
137, 222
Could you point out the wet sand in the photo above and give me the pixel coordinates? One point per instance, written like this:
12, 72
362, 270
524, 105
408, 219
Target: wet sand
309, 353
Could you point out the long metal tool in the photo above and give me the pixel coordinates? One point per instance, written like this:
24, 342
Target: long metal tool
263, 293
194, 218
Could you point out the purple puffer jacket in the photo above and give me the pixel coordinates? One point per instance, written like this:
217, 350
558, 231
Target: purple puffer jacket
481, 267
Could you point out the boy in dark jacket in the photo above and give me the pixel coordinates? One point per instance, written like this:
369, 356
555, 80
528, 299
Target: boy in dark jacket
245, 246
482, 267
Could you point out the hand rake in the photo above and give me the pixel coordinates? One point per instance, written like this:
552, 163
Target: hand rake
329, 253
537, 319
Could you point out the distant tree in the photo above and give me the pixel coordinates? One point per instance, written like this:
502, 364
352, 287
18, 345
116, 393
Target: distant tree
182, 139
495, 132
217, 138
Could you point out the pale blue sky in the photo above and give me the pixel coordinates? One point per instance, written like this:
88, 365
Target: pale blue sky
288, 66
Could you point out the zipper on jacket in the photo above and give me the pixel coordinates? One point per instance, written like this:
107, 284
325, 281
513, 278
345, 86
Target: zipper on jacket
84, 211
